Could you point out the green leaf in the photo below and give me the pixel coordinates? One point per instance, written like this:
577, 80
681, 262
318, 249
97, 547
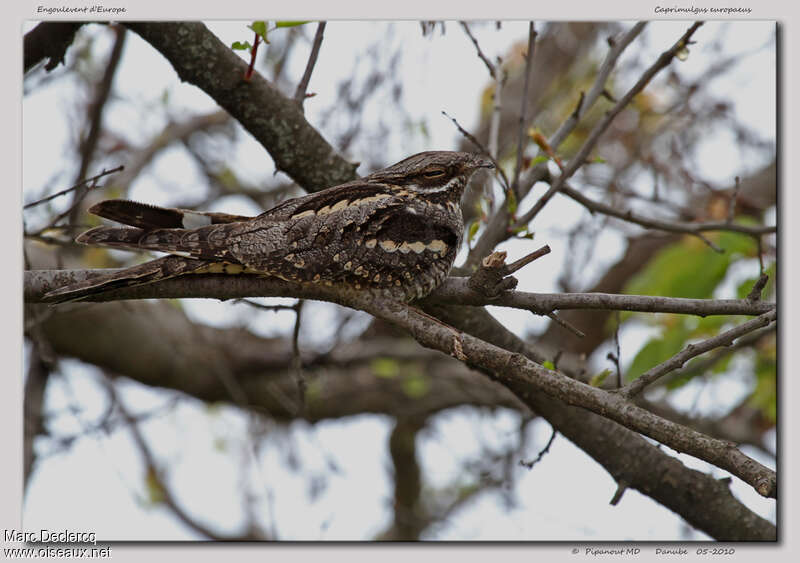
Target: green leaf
387, 368
415, 386
239, 46
689, 268
598, 379
764, 395
599, 160
539, 159
260, 27
290, 23
473, 230
549, 365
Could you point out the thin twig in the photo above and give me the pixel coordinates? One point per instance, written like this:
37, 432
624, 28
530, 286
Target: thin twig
79, 197
471, 138
155, 474
497, 229
248, 74
297, 362
615, 355
525, 260
263, 307
732, 202
622, 486
723, 339
530, 464
497, 108
565, 325
523, 112
758, 287
579, 159
74, 187
664, 225
492, 69
300, 93
95, 117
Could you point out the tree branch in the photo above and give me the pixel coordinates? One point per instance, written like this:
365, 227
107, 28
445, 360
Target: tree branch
201, 59
300, 92
48, 40
580, 157
662, 225
514, 371
692, 350
454, 291
704, 502
496, 230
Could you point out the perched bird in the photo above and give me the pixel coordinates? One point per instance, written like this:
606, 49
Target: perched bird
395, 231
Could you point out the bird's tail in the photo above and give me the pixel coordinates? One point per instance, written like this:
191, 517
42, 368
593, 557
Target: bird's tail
194, 240
149, 272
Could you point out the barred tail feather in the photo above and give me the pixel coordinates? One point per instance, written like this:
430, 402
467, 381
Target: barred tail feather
115, 237
153, 271
145, 216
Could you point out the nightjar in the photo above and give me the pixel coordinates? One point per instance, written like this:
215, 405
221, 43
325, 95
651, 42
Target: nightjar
396, 231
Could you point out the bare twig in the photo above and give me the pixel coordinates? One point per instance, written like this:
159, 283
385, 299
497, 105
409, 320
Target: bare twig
723, 339
525, 260
615, 355
530, 464
663, 225
497, 229
300, 92
69, 212
491, 68
497, 108
471, 138
263, 307
622, 486
155, 474
248, 74
599, 86
580, 157
297, 361
565, 325
95, 117
92, 180
732, 202
523, 113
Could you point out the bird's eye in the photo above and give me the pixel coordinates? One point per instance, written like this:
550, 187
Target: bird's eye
434, 173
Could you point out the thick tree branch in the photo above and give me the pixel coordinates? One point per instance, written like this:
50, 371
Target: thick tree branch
523, 377
520, 375
48, 40
704, 502
204, 61
453, 291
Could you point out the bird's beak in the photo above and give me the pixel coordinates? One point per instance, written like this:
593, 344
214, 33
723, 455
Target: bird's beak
480, 161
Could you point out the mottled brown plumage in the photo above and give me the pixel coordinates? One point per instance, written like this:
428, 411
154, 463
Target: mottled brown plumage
395, 231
